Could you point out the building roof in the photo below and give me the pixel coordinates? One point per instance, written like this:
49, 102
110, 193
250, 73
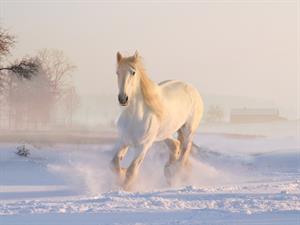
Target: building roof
255, 111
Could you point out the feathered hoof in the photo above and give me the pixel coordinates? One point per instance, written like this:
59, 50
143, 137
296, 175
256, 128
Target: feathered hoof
187, 165
128, 184
120, 174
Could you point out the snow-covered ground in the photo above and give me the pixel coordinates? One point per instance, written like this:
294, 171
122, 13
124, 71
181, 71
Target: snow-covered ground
233, 180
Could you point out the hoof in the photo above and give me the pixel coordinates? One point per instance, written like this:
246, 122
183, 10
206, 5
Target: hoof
126, 187
187, 165
120, 173
129, 179
128, 184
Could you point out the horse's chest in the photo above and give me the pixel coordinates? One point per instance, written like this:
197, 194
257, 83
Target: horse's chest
135, 130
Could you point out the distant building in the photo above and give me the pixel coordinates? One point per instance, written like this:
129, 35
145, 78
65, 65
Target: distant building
247, 115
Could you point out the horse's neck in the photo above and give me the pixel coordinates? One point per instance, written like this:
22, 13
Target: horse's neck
138, 105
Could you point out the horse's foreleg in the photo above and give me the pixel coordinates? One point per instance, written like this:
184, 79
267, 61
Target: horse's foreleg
133, 169
115, 163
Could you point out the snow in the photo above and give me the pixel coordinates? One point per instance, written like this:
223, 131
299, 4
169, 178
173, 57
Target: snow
233, 180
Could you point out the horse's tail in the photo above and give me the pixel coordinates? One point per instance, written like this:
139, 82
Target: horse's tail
195, 146
196, 149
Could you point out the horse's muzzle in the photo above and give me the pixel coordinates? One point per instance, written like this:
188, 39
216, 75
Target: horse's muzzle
123, 99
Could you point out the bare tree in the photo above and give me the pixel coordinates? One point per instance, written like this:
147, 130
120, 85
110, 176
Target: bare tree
32, 89
70, 102
29, 102
7, 41
25, 67
58, 68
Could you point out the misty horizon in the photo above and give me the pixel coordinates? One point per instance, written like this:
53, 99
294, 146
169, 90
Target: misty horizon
219, 47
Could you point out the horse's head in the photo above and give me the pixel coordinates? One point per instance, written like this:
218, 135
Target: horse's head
127, 77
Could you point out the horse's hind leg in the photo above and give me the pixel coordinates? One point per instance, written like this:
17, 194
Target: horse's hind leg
185, 135
174, 146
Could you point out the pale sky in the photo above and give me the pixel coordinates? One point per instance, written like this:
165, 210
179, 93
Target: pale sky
231, 48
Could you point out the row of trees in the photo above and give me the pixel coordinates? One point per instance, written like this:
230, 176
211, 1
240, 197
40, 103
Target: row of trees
36, 91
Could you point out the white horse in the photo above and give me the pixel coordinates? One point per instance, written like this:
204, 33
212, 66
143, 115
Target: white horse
153, 112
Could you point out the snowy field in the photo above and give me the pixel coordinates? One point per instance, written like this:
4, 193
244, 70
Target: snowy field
233, 180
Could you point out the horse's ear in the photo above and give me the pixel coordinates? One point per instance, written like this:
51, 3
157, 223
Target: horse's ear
119, 57
136, 54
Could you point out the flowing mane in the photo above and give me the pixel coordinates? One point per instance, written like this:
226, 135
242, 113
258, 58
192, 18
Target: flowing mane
150, 93
149, 88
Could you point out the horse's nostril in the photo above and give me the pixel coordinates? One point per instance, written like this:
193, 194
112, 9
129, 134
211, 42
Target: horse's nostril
123, 99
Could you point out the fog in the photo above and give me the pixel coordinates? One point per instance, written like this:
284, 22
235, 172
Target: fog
237, 53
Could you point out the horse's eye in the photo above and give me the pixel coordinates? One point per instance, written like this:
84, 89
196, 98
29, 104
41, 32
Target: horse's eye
132, 72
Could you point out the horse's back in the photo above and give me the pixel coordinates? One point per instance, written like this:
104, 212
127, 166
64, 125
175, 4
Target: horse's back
165, 82
176, 88
183, 103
